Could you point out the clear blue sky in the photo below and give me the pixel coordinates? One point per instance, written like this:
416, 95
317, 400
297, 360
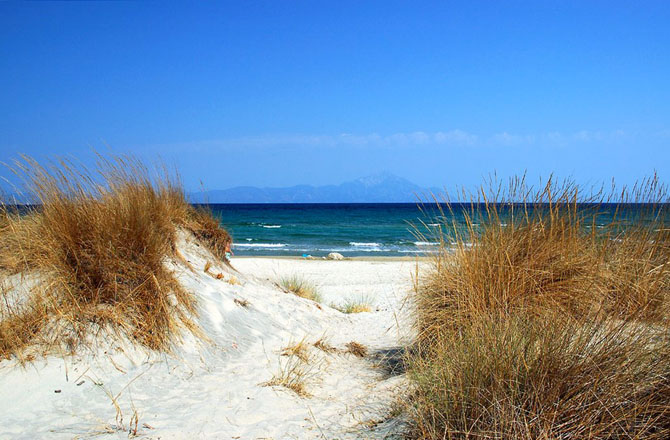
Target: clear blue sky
281, 93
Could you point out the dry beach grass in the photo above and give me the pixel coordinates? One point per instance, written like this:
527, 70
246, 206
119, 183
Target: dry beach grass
97, 241
300, 286
360, 304
537, 323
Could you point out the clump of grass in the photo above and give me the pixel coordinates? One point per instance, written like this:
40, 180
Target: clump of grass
356, 305
323, 345
301, 287
19, 328
546, 319
543, 377
207, 229
358, 350
299, 350
353, 307
525, 250
292, 375
97, 240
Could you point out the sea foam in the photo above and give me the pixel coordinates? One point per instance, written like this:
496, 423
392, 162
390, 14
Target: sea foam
259, 245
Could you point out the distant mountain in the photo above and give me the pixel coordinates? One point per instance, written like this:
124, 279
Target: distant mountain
378, 188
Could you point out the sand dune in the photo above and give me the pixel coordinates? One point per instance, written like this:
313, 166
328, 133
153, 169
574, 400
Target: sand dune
215, 388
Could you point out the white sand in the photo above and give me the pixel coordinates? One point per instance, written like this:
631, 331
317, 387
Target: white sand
214, 389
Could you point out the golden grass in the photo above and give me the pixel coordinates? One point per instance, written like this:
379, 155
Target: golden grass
538, 323
294, 372
292, 378
98, 241
324, 345
358, 350
356, 305
545, 377
207, 229
299, 350
301, 287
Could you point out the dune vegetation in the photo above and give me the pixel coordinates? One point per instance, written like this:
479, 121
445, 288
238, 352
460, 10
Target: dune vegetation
360, 304
300, 286
96, 243
546, 317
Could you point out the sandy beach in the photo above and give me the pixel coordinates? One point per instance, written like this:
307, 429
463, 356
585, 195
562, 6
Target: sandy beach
383, 282
216, 387
335, 220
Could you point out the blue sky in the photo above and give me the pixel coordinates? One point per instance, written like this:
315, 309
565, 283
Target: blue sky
282, 93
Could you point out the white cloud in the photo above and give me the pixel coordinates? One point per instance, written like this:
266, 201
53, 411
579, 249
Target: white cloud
507, 139
455, 137
556, 138
450, 138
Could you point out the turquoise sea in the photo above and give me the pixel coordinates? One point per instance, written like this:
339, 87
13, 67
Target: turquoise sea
316, 229
384, 229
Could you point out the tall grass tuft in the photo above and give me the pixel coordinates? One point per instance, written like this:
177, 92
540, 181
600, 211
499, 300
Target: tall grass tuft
98, 241
300, 286
545, 316
207, 229
361, 304
545, 377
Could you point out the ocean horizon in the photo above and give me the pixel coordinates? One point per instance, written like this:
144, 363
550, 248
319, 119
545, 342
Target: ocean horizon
363, 229
316, 229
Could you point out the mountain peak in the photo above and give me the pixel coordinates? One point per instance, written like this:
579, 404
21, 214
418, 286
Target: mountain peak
380, 179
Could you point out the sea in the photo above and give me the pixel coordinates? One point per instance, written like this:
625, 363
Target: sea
352, 229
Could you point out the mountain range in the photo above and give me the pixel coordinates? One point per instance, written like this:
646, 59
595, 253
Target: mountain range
379, 188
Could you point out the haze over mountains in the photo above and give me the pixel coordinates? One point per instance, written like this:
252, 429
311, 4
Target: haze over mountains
379, 188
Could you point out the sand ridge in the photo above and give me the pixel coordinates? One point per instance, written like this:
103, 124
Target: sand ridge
215, 389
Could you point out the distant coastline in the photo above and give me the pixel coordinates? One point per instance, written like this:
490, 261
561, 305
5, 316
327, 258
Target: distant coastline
378, 188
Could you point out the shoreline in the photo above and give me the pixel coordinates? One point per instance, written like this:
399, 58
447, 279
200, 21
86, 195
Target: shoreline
356, 258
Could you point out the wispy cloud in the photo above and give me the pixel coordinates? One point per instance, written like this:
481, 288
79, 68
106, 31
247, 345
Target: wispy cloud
449, 138
508, 139
556, 138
